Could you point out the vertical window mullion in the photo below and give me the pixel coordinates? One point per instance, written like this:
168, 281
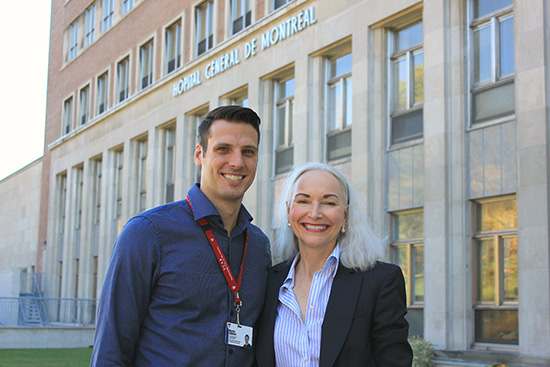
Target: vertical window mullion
494, 52
410, 275
499, 296
496, 49
410, 80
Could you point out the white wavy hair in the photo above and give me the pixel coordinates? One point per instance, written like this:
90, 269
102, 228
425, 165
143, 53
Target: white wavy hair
359, 247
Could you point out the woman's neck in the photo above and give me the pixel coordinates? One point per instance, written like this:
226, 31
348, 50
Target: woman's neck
311, 261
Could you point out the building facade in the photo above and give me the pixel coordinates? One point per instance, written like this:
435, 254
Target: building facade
19, 221
436, 110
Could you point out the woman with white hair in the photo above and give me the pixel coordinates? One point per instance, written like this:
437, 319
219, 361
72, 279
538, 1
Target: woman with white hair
330, 300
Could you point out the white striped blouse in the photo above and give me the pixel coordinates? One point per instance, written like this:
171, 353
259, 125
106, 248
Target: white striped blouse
297, 342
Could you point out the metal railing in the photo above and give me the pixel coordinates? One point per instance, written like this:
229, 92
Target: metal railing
17, 311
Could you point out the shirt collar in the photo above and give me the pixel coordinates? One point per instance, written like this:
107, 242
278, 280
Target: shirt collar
331, 265
203, 207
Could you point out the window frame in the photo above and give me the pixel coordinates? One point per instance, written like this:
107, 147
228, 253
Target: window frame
142, 146
107, 11
173, 42
84, 105
207, 9
411, 107
288, 103
169, 171
277, 4
244, 16
341, 127
97, 164
496, 80
68, 115
126, 6
499, 303
102, 93
72, 51
123, 79
146, 69
89, 25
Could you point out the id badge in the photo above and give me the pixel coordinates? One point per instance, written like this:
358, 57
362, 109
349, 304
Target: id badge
238, 335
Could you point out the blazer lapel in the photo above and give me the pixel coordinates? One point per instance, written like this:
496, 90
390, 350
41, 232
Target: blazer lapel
275, 280
339, 314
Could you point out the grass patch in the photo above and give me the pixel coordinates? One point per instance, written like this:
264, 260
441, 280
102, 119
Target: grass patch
74, 357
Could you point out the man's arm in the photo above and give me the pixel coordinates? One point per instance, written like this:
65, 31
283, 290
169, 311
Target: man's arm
125, 294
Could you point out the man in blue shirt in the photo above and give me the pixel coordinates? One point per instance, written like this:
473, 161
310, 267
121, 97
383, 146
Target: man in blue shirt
168, 299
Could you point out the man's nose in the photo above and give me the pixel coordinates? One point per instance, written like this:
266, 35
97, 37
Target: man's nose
236, 159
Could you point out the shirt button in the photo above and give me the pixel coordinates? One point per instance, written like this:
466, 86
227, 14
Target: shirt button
311, 307
230, 351
304, 359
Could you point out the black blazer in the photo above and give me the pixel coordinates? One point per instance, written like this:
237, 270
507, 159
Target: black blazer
364, 322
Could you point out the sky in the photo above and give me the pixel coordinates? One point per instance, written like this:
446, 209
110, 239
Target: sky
25, 37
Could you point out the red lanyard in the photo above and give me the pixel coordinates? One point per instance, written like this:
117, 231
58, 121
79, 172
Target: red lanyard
233, 285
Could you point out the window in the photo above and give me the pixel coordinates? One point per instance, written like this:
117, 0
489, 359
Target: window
195, 119
278, 3
61, 209
146, 65
339, 107
495, 251
84, 104
407, 251
102, 88
118, 171
73, 41
493, 60
89, 25
169, 163
284, 120
108, 11
79, 182
127, 5
241, 15
407, 84
141, 175
173, 47
67, 115
123, 74
204, 21
97, 164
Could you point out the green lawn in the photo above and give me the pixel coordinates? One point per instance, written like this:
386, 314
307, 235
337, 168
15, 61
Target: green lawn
78, 357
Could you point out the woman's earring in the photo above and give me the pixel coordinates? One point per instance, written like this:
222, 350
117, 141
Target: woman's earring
288, 223
343, 230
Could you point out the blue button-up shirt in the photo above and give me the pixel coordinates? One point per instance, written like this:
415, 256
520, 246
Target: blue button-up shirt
165, 301
298, 342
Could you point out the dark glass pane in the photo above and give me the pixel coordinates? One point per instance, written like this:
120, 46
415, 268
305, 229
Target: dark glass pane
415, 318
496, 326
284, 160
407, 127
339, 145
495, 102
237, 24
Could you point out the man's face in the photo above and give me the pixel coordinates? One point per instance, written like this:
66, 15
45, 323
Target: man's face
229, 162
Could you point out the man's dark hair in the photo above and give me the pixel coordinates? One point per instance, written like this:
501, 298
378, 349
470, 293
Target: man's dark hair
235, 114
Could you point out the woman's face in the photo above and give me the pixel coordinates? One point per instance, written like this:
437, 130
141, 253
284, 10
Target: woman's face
317, 210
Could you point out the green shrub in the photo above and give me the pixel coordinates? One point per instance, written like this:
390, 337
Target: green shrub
423, 352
